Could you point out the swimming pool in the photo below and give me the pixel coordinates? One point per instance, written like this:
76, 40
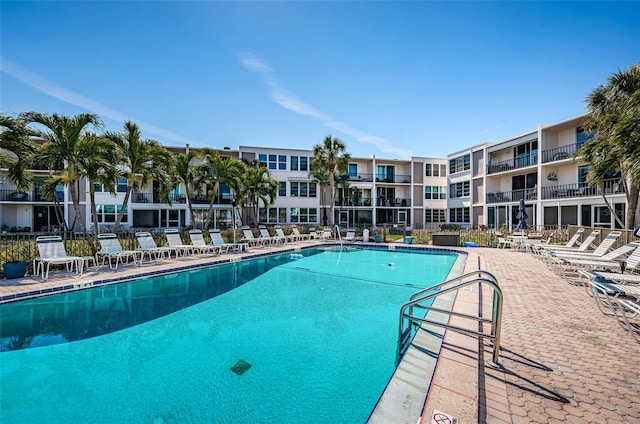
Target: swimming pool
308, 337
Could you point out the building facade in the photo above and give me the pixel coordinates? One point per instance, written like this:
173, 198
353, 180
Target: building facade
480, 186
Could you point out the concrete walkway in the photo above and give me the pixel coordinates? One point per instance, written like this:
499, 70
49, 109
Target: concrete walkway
563, 360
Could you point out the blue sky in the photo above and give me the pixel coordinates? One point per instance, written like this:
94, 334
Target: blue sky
391, 79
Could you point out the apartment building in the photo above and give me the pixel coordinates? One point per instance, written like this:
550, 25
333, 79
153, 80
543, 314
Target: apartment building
478, 186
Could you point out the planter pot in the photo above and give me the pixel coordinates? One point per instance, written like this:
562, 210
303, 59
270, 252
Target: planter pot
14, 269
377, 238
408, 240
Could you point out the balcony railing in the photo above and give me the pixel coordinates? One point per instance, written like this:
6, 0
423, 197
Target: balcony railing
397, 178
178, 199
612, 186
360, 177
513, 163
29, 196
397, 202
361, 202
559, 153
511, 196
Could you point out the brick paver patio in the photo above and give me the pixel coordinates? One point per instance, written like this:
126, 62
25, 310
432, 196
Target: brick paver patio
564, 361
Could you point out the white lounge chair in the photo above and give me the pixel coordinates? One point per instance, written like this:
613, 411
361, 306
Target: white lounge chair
350, 235
53, 252
583, 247
502, 241
111, 249
281, 235
149, 247
268, 238
175, 241
600, 250
198, 243
217, 240
619, 301
326, 234
250, 239
298, 235
570, 267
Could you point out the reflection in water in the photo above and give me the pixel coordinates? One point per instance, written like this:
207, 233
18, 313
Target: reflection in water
101, 310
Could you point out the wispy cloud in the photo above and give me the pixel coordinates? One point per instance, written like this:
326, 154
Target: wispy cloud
291, 102
497, 127
50, 88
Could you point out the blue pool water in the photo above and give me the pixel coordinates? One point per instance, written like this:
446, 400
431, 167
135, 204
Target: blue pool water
318, 331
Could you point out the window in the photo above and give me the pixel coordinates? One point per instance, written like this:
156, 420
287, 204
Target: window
283, 189
582, 137
302, 189
109, 213
262, 158
304, 215
385, 173
435, 170
582, 175
435, 215
435, 192
353, 170
459, 190
272, 215
122, 185
299, 163
459, 164
459, 215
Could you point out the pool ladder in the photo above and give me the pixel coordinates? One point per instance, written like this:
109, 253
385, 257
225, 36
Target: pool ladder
410, 323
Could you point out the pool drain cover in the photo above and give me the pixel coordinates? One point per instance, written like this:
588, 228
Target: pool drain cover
241, 367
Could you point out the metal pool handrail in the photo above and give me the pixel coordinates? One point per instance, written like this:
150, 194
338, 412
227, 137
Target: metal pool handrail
404, 334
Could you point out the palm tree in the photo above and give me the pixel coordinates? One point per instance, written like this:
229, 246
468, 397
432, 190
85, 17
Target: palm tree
322, 178
142, 160
186, 173
331, 156
215, 171
614, 119
63, 144
257, 185
14, 138
98, 165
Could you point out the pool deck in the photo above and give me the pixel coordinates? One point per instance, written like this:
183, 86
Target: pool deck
563, 361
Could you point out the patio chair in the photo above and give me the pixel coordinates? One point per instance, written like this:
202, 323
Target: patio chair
268, 238
503, 242
350, 236
584, 246
216, 240
570, 267
52, 252
600, 250
149, 247
281, 235
111, 249
298, 235
198, 243
250, 239
327, 234
620, 301
175, 241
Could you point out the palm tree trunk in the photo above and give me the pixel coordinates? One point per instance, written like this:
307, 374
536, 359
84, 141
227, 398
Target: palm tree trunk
633, 194
611, 210
332, 188
125, 202
94, 212
76, 205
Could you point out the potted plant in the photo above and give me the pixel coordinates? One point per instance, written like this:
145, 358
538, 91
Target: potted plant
13, 260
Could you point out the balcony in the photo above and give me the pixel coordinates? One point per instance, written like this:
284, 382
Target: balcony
362, 202
511, 196
612, 186
360, 177
395, 179
29, 196
397, 202
513, 163
559, 153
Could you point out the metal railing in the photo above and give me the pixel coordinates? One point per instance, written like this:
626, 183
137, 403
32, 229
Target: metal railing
611, 186
396, 178
511, 196
409, 323
364, 177
513, 163
559, 153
